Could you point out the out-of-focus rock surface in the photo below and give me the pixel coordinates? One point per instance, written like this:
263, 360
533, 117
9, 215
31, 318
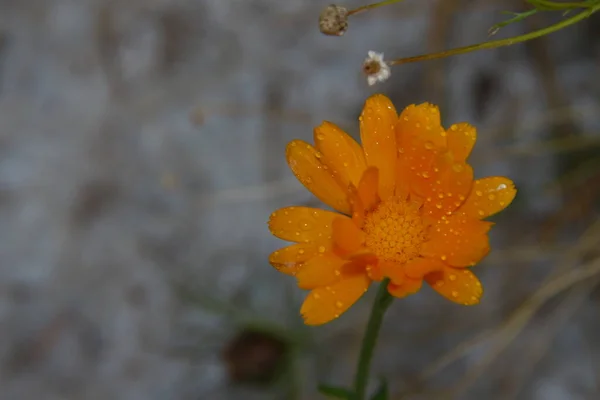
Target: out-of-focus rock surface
142, 146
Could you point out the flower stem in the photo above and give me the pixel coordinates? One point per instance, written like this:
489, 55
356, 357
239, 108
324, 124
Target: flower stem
502, 42
371, 6
382, 302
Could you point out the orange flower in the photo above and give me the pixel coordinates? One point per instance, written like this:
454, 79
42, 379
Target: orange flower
409, 210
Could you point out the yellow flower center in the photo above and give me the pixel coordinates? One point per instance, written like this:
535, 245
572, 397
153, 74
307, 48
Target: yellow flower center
395, 231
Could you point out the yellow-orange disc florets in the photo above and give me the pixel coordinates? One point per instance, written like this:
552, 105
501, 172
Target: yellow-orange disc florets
395, 231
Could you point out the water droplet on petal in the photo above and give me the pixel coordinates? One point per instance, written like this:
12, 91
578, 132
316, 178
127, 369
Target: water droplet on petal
454, 293
337, 272
339, 304
317, 296
452, 277
304, 225
301, 251
479, 193
481, 213
458, 167
428, 145
491, 197
443, 258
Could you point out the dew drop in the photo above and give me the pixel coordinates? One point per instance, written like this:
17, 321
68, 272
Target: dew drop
320, 136
491, 197
479, 193
339, 304
304, 225
458, 167
317, 296
481, 213
438, 206
428, 145
301, 251
441, 195
443, 258
473, 298
346, 164
502, 204
452, 277
454, 293
337, 272
321, 249
425, 174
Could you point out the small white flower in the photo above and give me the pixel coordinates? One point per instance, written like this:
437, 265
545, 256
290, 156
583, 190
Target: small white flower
375, 68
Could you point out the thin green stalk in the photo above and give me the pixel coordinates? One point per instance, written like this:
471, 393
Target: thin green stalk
382, 302
502, 42
371, 6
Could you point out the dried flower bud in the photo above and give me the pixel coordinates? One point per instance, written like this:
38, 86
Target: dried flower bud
333, 20
375, 68
255, 357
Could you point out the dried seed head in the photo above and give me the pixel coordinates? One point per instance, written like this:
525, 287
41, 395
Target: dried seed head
333, 20
255, 357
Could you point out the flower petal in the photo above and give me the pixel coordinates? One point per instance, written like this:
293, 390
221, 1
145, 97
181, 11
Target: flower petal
461, 139
290, 259
341, 153
378, 138
304, 161
418, 267
327, 303
489, 196
458, 285
446, 192
347, 238
407, 287
420, 121
322, 270
458, 240
368, 188
303, 224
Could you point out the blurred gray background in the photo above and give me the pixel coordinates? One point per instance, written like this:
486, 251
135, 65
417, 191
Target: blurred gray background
142, 150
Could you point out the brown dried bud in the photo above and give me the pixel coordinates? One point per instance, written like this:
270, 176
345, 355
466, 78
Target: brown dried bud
333, 20
255, 357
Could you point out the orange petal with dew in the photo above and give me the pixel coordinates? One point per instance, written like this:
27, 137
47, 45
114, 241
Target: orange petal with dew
407, 287
305, 162
290, 259
347, 238
420, 121
368, 188
458, 240
458, 285
303, 224
489, 196
341, 153
378, 138
418, 267
461, 139
447, 192
324, 304
322, 270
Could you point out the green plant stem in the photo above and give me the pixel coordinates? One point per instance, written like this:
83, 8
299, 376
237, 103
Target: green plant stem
502, 42
371, 6
382, 302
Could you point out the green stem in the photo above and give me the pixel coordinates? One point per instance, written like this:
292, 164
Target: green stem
502, 42
382, 302
371, 6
